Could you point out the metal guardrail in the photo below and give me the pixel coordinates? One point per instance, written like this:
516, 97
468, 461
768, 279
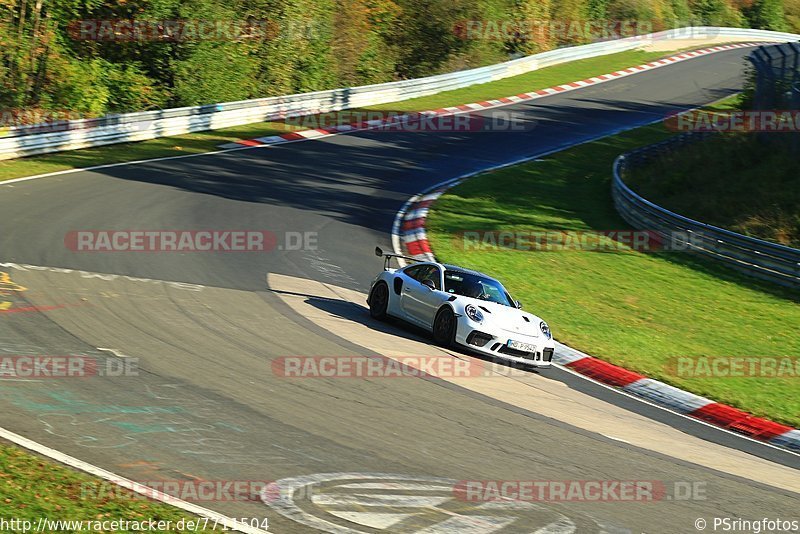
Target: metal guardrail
71, 135
776, 86
777, 76
762, 259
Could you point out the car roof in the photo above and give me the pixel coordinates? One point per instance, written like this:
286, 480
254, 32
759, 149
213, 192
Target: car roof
456, 268
451, 267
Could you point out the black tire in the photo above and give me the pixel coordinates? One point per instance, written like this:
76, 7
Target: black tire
379, 301
444, 327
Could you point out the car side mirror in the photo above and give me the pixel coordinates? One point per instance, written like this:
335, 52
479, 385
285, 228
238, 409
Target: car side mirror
429, 284
518, 304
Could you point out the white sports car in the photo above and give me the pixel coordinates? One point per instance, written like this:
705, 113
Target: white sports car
460, 307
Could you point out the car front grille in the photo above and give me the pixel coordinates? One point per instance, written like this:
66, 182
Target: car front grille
504, 349
545, 356
478, 339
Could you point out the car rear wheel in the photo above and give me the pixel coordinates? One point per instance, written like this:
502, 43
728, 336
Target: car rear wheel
379, 301
444, 327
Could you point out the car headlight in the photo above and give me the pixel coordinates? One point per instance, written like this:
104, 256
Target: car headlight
545, 330
473, 313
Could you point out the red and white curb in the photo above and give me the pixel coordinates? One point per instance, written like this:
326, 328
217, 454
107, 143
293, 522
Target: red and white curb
678, 400
409, 238
304, 135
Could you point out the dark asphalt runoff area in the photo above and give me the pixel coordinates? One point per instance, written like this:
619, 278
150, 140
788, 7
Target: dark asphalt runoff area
203, 329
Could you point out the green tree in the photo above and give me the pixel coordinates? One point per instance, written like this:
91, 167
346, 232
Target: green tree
426, 35
306, 45
766, 15
716, 13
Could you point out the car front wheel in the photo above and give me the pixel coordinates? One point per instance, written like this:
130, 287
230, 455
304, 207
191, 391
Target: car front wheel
444, 327
379, 301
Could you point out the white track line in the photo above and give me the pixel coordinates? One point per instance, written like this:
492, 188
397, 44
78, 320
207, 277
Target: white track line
222, 520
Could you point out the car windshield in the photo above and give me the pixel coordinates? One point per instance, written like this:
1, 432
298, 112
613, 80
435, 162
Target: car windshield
475, 286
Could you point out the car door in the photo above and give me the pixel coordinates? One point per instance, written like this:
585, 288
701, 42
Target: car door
419, 301
409, 291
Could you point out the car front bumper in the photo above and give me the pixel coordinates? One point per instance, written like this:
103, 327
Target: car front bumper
496, 346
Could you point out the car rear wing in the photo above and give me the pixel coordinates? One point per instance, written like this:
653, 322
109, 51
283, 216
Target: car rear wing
388, 257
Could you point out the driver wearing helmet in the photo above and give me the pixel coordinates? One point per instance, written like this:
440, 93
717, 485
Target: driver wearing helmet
473, 289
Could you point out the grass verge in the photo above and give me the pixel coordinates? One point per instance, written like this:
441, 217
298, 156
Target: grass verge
207, 141
637, 310
32, 487
742, 182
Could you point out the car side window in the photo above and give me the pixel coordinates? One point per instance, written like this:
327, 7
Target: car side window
430, 272
414, 272
434, 274
425, 272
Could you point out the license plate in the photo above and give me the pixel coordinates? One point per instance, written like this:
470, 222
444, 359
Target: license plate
519, 345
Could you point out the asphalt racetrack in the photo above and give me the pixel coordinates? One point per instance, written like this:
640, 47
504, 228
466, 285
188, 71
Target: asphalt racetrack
381, 455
